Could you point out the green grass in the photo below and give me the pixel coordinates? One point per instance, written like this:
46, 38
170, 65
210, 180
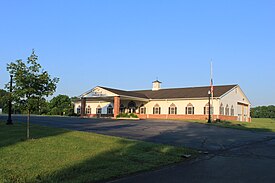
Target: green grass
59, 155
257, 124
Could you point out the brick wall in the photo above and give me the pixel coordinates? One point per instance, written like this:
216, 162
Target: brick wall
116, 105
195, 117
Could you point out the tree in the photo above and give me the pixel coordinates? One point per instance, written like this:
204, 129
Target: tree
263, 112
61, 105
30, 84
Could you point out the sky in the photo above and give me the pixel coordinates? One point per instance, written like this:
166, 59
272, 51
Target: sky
128, 44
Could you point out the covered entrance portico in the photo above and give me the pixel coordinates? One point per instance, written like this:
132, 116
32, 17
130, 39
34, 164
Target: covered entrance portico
104, 103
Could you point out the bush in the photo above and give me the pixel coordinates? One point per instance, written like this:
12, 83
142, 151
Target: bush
126, 115
132, 115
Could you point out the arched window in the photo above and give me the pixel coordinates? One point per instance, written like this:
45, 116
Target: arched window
132, 107
232, 110
156, 109
172, 109
206, 109
142, 109
98, 109
189, 109
227, 110
221, 109
122, 108
88, 110
78, 110
131, 104
110, 109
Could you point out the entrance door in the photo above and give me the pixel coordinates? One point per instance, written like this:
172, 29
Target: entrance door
243, 112
98, 112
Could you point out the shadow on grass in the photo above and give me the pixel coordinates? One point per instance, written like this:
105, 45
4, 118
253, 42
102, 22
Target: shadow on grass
77, 156
126, 159
12, 134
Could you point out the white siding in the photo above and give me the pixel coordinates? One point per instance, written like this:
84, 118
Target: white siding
198, 104
232, 98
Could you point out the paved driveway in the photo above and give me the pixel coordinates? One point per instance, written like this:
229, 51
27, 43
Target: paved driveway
204, 137
234, 155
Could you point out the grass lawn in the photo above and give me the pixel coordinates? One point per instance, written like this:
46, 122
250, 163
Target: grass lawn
59, 155
257, 124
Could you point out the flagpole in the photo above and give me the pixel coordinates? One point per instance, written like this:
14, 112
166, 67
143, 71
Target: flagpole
212, 93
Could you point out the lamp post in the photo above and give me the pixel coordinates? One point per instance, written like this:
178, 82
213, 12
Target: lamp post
209, 108
9, 121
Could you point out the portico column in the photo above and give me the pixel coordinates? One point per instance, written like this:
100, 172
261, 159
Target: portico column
83, 106
116, 105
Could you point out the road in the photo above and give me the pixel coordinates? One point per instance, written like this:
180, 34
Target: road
228, 155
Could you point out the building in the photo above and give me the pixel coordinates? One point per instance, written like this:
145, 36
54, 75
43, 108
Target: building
229, 103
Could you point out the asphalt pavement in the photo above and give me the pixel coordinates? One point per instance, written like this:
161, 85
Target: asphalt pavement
228, 155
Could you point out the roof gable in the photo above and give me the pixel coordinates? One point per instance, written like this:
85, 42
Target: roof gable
98, 92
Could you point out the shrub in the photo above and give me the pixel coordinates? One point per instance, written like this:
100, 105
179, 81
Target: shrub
126, 115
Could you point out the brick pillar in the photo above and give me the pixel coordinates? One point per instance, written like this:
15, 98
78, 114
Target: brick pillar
83, 106
116, 105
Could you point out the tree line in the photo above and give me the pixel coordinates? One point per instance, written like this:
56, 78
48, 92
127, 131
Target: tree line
263, 112
59, 105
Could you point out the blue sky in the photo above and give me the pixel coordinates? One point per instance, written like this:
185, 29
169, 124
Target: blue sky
127, 44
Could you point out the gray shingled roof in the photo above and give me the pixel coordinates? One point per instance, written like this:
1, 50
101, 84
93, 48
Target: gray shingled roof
192, 92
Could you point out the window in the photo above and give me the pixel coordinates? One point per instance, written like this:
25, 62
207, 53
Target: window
98, 110
189, 109
156, 109
78, 110
172, 109
110, 109
227, 110
131, 107
88, 110
206, 109
122, 108
221, 109
142, 109
232, 110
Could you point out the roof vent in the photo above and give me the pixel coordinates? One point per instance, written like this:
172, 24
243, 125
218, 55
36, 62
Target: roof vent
156, 85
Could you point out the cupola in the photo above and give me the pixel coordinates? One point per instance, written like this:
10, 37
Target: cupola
156, 85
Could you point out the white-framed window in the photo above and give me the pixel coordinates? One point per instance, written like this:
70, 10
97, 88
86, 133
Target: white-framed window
172, 109
142, 109
221, 109
206, 109
78, 110
232, 111
110, 109
156, 109
88, 110
227, 110
189, 109
98, 109
121, 108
